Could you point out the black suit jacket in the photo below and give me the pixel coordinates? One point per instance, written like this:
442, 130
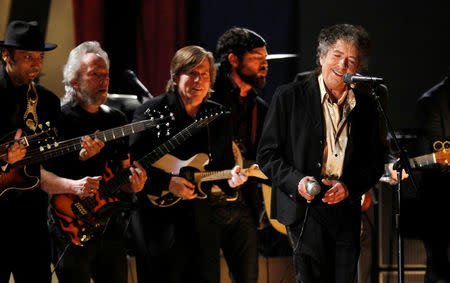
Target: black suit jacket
292, 144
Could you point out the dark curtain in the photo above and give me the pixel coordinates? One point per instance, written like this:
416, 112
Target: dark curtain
161, 32
88, 18
138, 35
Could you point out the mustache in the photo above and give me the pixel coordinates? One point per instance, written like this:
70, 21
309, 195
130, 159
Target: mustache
264, 69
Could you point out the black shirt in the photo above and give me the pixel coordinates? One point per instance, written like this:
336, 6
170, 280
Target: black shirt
23, 210
76, 122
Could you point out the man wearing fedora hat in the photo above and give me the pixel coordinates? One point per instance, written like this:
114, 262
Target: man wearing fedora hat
25, 105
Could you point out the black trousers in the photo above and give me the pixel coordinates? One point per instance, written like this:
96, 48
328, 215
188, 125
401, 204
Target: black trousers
24, 237
26, 254
321, 256
176, 244
238, 238
102, 259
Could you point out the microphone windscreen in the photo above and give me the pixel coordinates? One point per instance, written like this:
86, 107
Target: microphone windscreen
129, 74
313, 187
347, 78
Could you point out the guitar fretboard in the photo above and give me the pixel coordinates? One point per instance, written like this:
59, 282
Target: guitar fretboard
176, 140
424, 160
111, 187
58, 149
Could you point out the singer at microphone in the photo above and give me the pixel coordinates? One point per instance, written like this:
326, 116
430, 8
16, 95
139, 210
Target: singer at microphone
355, 78
319, 128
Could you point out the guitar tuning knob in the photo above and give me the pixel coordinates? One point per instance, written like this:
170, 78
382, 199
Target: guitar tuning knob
168, 133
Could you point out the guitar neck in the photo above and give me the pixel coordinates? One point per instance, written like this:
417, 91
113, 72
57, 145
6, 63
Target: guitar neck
46, 152
176, 141
113, 185
423, 160
252, 171
213, 175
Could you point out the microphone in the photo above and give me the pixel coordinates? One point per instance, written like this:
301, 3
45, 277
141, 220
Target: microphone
313, 188
136, 83
352, 78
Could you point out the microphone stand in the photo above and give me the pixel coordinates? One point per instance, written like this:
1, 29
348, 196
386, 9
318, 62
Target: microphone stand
401, 164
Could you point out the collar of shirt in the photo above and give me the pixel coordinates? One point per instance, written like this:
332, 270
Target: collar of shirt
324, 95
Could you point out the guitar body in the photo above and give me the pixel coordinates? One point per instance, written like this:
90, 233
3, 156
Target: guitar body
183, 168
17, 179
82, 218
193, 170
267, 191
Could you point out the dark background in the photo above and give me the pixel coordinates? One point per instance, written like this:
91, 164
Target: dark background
410, 41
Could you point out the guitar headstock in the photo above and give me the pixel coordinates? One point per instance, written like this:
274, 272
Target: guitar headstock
41, 134
209, 115
442, 153
254, 171
44, 137
162, 120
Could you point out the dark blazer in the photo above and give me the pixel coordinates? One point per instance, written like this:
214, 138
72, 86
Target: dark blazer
292, 144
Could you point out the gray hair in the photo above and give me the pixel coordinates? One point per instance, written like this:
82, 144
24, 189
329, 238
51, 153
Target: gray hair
72, 66
355, 35
186, 59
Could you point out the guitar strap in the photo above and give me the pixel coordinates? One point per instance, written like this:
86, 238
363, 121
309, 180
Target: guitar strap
30, 117
254, 123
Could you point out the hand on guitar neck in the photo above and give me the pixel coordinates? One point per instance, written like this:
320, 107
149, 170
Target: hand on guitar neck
17, 150
185, 190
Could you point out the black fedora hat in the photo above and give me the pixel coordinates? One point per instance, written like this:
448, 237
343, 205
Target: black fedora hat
25, 36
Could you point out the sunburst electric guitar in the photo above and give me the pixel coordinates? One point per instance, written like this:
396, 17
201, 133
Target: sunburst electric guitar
84, 218
193, 170
18, 178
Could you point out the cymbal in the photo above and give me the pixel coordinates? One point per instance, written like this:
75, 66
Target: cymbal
280, 56
271, 57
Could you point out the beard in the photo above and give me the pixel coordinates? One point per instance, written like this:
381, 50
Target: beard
253, 80
93, 100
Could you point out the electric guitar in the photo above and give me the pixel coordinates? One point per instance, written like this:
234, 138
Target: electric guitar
442, 156
193, 170
18, 178
84, 218
27, 140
